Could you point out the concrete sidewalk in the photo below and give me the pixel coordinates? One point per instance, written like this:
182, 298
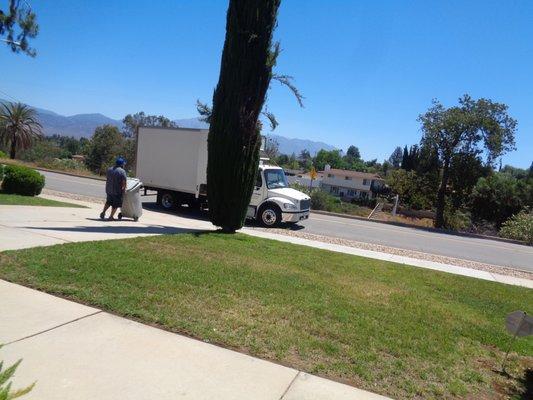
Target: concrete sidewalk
79, 352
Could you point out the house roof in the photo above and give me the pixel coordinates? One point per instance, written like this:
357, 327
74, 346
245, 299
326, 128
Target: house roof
354, 174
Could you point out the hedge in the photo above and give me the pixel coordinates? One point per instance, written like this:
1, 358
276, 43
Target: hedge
22, 180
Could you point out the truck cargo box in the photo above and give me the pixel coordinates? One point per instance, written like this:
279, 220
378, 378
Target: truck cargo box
174, 159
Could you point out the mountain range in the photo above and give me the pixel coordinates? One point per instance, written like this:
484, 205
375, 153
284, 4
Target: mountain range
83, 125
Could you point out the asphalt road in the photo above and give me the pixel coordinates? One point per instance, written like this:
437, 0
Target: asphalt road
481, 250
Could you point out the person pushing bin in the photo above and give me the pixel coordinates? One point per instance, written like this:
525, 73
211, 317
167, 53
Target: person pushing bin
122, 192
115, 186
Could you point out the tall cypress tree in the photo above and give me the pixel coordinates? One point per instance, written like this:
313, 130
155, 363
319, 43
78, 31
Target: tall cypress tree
233, 142
405, 158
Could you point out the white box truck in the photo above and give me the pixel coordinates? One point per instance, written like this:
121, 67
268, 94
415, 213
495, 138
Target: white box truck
173, 162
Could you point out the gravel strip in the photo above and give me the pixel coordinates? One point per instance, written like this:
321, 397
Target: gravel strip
352, 243
73, 196
406, 253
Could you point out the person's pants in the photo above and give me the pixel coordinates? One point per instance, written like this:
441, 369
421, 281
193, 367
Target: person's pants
114, 200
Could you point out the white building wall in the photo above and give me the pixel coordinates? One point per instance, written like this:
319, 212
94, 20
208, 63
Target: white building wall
354, 183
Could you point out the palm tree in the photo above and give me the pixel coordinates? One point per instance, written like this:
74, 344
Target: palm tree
19, 127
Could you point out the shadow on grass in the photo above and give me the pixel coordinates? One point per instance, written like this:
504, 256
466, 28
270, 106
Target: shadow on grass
524, 389
527, 382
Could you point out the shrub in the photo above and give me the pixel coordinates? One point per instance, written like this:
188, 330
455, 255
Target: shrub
496, 198
519, 227
456, 220
371, 203
22, 180
320, 200
2, 154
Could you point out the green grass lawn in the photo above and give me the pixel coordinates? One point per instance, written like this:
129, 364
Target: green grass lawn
396, 330
18, 200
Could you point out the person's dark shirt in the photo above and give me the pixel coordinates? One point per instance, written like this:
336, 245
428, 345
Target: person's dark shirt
116, 176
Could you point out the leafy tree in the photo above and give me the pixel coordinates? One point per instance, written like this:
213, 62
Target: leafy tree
129, 152
304, 156
305, 160
19, 127
396, 157
132, 122
402, 183
106, 144
372, 163
332, 157
43, 150
18, 24
411, 188
385, 168
68, 144
352, 160
353, 152
474, 127
282, 159
517, 173
233, 142
465, 171
496, 198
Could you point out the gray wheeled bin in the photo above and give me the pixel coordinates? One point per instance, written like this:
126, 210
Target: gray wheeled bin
131, 203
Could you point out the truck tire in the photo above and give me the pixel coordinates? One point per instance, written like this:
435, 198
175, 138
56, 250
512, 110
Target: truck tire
269, 216
168, 200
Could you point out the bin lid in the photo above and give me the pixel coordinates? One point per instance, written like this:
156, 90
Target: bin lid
132, 184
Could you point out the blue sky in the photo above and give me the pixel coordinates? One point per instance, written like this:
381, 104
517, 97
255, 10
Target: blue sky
366, 68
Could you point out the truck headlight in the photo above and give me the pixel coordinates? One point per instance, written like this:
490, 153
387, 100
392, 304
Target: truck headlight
289, 206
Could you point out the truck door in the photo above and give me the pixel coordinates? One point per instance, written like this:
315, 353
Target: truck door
257, 194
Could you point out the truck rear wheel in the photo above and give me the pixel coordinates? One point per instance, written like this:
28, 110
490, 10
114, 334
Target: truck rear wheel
269, 216
168, 200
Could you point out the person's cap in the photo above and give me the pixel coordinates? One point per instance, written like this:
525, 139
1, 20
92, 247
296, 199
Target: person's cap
120, 161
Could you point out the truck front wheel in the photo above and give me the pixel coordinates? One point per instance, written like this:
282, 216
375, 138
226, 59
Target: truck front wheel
168, 200
269, 216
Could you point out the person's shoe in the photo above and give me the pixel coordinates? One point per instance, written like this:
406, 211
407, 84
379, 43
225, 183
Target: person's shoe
102, 215
111, 219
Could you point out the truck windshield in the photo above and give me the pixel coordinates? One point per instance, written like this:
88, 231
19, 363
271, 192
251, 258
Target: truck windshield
275, 178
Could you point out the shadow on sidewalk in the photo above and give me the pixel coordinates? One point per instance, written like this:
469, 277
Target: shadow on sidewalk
117, 229
203, 215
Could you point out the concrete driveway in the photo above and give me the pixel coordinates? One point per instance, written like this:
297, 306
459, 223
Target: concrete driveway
24, 227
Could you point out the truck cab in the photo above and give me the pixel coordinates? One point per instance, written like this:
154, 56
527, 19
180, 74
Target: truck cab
273, 201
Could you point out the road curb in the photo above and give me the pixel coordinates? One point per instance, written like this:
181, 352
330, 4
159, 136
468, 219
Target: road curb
96, 178
436, 230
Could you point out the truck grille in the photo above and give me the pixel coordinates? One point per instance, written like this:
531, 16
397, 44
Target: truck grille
304, 204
